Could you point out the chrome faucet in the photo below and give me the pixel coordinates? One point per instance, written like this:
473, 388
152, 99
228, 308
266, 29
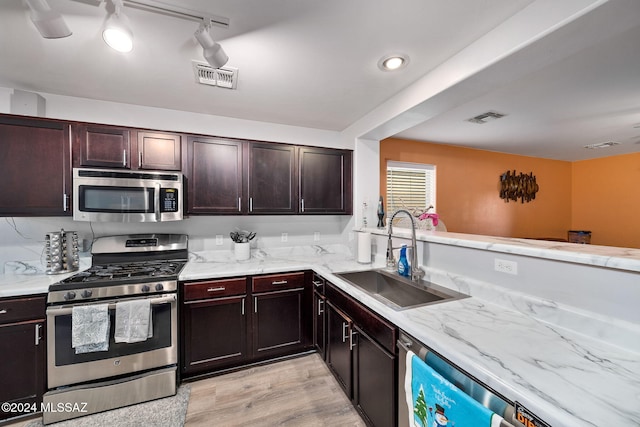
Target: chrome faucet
416, 272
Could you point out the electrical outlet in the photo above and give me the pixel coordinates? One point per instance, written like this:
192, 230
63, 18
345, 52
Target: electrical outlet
219, 240
504, 266
316, 236
284, 237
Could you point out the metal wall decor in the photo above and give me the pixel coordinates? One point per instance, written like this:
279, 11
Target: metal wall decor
518, 186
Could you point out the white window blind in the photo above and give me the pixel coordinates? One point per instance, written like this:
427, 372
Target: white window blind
410, 186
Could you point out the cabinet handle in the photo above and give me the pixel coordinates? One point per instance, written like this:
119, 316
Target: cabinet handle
301, 205
219, 288
345, 326
320, 309
317, 284
255, 304
140, 159
65, 205
3, 311
38, 326
124, 157
243, 306
351, 341
279, 282
239, 204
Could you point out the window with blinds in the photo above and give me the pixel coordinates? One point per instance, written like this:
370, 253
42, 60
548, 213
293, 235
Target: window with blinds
410, 186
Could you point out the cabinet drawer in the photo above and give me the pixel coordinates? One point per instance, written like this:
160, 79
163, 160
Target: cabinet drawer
214, 288
19, 309
276, 282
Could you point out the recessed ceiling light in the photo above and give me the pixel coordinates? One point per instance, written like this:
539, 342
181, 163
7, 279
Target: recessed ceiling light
393, 62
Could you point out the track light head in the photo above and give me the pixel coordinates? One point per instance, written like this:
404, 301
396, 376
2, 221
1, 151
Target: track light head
212, 51
49, 22
117, 31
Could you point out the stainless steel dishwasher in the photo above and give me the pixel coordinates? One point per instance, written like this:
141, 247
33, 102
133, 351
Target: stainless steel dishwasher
510, 411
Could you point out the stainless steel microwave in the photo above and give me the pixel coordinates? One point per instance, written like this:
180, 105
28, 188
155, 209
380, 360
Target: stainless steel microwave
111, 195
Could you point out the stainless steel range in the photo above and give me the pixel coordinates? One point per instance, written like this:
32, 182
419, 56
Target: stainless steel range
97, 357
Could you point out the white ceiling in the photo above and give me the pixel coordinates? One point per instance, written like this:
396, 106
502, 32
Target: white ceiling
313, 63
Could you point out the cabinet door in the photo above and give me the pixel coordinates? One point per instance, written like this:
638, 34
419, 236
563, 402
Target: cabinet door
215, 334
271, 179
339, 359
324, 181
22, 366
214, 175
159, 151
278, 323
35, 167
374, 388
104, 146
319, 304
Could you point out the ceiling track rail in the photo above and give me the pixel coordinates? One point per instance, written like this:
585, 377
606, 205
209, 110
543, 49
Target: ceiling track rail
178, 12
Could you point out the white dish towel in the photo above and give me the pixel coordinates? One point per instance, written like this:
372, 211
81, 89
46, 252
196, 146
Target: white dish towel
90, 328
133, 321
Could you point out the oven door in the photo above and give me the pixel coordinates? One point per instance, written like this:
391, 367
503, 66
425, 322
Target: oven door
65, 367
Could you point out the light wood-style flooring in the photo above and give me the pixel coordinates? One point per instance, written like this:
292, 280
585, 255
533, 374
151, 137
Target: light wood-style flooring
296, 392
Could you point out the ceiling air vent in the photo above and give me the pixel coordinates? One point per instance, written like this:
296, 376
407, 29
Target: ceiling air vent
602, 145
489, 116
226, 77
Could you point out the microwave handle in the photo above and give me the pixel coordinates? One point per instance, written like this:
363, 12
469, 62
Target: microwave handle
157, 201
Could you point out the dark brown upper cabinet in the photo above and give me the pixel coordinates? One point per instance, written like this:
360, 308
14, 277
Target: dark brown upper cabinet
103, 146
214, 175
271, 178
35, 167
324, 181
126, 148
159, 151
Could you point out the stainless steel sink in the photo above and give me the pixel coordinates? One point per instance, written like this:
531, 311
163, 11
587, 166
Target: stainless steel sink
399, 292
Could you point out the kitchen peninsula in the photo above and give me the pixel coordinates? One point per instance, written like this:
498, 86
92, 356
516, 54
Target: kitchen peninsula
571, 364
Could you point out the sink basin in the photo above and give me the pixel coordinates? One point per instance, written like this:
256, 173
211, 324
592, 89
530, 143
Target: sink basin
398, 292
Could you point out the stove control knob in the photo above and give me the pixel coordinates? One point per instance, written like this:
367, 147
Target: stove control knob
86, 293
145, 288
159, 286
69, 295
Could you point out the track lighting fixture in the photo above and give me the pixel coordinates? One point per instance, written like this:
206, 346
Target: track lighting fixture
117, 31
212, 51
49, 22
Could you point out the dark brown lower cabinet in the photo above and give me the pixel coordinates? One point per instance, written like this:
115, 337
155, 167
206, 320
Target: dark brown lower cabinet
22, 353
374, 380
339, 357
227, 323
277, 323
361, 354
214, 325
215, 333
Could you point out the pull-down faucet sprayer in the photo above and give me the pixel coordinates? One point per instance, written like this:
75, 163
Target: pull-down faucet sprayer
416, 272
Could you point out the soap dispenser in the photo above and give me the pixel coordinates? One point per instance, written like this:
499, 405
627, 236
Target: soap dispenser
403, 264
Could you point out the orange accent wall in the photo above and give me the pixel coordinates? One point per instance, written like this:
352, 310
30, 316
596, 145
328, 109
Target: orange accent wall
606, 199
468, 185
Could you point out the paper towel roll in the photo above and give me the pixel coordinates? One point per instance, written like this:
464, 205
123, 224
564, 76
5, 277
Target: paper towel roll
364, 248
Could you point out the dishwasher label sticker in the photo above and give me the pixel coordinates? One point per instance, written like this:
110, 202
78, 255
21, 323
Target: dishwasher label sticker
528, 418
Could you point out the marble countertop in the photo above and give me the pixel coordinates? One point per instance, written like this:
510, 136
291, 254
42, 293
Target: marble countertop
596, 255
566, 378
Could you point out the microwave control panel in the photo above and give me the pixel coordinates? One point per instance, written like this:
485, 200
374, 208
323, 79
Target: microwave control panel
169, 200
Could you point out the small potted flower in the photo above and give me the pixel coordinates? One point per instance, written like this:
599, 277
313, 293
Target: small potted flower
430, 218
242, 243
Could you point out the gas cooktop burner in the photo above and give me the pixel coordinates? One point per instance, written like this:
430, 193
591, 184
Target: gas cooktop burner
105, 274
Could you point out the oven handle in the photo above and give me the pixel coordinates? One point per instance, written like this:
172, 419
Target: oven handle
67, 309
